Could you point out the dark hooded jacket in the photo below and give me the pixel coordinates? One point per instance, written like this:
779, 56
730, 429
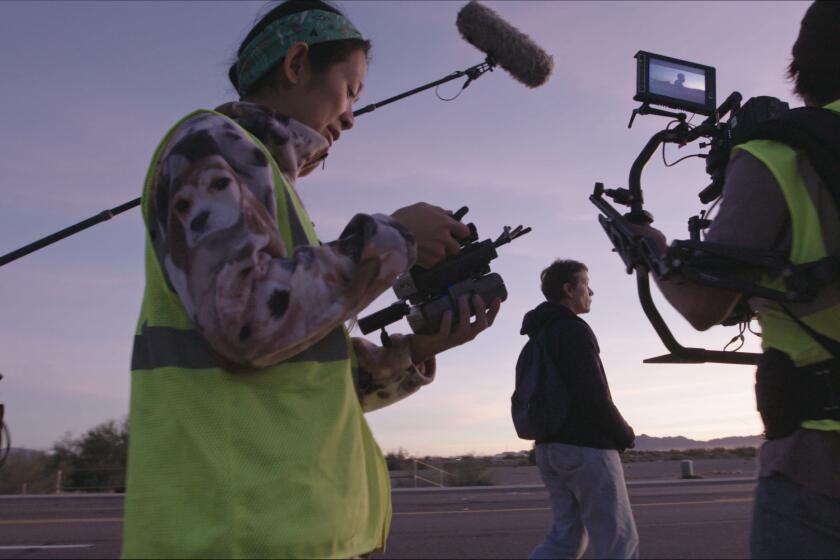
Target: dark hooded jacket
593, 420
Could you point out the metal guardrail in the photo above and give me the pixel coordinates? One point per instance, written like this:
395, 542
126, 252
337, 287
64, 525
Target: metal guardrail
109, 480
441, 474
472, 489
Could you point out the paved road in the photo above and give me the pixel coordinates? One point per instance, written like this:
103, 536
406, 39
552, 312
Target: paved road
674, 521
61, 527
679, 520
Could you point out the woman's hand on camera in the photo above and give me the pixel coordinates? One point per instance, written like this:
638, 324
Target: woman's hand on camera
435, 231
424, 347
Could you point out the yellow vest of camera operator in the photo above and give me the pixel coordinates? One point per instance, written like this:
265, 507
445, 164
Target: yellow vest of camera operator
811, 209
274, 463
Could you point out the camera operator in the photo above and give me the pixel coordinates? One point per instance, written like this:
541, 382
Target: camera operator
773, 199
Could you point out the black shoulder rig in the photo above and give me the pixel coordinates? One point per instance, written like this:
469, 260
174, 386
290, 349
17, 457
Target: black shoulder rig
814, 130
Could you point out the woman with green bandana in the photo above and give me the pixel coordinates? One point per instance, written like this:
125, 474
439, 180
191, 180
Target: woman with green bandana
247, 431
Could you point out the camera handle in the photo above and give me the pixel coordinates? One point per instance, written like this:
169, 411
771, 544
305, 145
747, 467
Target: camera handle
384, 317
680, 134
645, 109
680, 354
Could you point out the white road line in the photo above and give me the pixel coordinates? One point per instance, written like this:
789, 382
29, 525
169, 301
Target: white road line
524, 509
44, 546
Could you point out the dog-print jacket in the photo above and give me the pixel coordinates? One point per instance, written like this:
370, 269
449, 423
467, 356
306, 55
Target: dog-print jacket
213, 225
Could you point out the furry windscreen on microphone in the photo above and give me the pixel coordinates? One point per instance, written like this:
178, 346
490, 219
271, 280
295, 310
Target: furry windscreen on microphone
507, 46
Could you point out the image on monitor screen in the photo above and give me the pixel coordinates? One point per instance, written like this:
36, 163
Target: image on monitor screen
677, 81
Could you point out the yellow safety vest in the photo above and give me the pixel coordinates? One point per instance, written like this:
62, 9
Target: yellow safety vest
807, 202
275, 463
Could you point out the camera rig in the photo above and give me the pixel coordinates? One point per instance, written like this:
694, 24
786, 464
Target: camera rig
721, 266
434, 291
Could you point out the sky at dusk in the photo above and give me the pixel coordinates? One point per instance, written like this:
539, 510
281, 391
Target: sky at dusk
89, 88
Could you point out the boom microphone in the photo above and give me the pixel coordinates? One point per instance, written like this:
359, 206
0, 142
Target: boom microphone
504, 44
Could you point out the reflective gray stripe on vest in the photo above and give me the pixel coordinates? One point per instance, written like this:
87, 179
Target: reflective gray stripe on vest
331, 348
158, 347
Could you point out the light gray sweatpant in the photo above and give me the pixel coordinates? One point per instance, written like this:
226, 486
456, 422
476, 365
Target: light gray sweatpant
589, 501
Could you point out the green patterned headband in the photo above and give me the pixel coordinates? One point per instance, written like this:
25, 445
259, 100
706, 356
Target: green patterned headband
272, 43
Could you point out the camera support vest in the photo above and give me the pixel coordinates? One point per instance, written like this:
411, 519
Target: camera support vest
277, 462
813, 238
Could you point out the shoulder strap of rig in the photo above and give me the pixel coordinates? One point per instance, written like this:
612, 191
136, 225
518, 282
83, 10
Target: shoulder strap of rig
814, 130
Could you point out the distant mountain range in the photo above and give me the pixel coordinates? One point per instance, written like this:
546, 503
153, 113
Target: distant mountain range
650, 443
26, 453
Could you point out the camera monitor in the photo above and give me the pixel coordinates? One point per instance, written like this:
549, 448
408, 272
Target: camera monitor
682, 85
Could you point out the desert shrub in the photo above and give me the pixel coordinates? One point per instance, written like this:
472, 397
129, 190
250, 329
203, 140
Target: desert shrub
470, 471
633, 456
29, 468
398, 460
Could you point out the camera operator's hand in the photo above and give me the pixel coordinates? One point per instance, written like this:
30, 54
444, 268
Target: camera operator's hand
424, 347
435, 230
702, 306
653, 234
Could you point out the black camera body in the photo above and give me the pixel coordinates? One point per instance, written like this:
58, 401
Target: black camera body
434, 291
736, 131
425, 317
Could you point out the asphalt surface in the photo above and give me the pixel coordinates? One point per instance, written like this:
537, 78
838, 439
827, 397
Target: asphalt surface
694, 519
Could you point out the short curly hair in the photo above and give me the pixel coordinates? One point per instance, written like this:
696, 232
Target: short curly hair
558, 274
814, 68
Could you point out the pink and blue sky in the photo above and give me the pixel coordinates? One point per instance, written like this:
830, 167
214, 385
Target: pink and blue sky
88, 89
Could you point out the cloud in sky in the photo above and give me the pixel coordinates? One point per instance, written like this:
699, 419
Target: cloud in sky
91, 100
